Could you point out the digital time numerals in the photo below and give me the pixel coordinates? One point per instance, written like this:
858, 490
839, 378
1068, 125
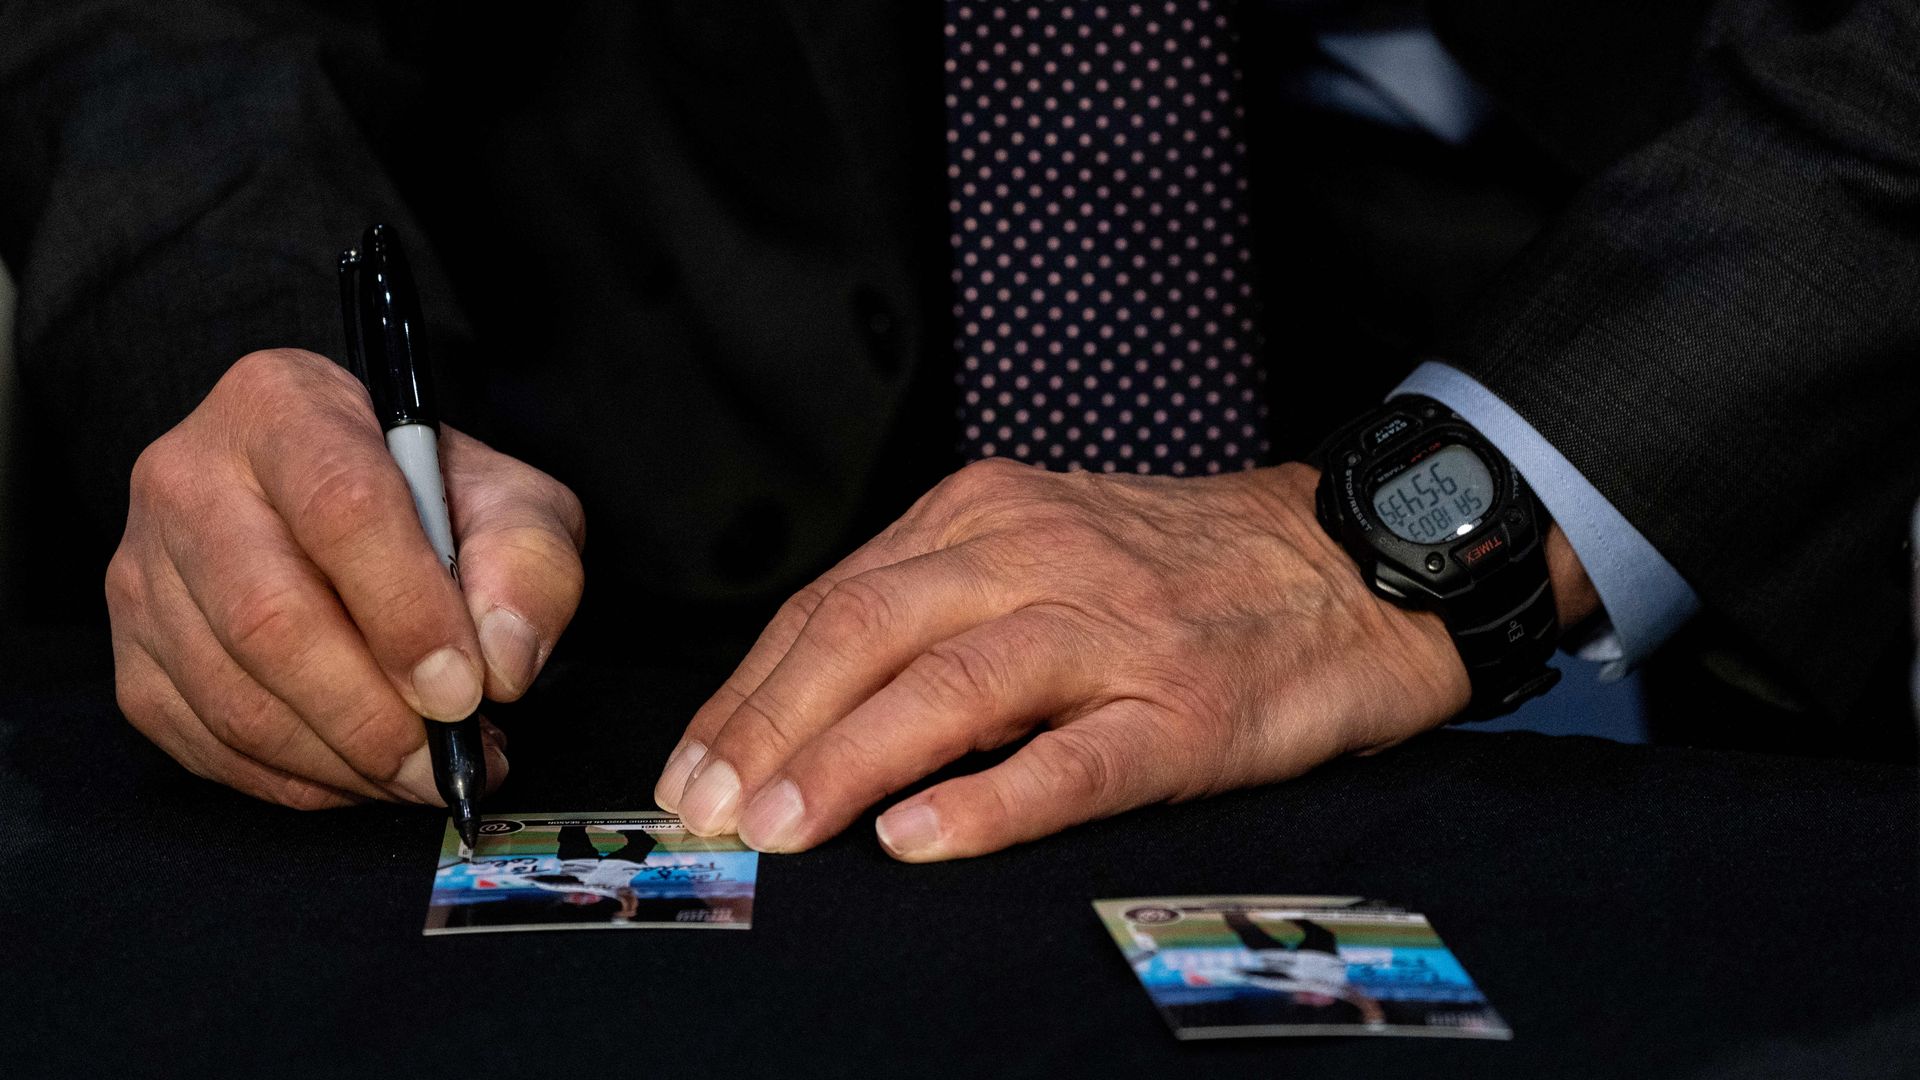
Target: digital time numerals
1431, 502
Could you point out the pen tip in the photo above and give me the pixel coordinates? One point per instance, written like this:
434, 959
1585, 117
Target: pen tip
468, 824
459, 772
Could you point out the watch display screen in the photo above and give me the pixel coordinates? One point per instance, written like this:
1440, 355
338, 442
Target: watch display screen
1437, 499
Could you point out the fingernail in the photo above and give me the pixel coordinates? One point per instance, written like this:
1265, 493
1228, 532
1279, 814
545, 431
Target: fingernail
492, 733
708, 806
908, 831
496, 765
772, 820
673, 777
446, 685
416, 778
510, 647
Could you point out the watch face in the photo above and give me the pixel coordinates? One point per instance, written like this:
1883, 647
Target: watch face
1439, 498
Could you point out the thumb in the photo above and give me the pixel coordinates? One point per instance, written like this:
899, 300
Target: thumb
520, 535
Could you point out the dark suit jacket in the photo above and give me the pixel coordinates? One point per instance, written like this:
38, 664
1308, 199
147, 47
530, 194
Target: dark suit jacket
691, 258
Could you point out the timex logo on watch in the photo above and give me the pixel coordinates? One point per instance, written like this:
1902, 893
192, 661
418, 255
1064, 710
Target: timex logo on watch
1482, 549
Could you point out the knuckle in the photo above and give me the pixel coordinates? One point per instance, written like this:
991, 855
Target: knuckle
254, 728
1183, 686
779, 635
408, 615
124, 586
348, 503
161, 473
996, 469
1074, 761
268, 375
801, 605
853, 610
789, 622
142, 480
981, 478
272, 368
998, 811
135, 695
262, 367
758, 725
375, 740
854, 766
955, 673
540, 555
267, 620
341, 497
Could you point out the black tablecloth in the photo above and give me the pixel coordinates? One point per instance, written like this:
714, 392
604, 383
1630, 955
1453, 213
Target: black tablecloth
1631, 911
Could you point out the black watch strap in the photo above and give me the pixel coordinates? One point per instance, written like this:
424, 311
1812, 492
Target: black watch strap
1506, 633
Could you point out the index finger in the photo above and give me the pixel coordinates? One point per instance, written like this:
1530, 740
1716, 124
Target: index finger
330, 478
768, 650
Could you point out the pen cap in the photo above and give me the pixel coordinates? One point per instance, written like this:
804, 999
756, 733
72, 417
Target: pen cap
392, 343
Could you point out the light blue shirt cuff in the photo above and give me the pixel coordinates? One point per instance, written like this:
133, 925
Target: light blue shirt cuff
1645, 598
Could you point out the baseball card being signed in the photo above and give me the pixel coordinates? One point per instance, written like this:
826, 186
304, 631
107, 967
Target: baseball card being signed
1230, 966
591, 871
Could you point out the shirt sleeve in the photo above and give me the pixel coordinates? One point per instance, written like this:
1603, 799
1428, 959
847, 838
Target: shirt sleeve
1644, 597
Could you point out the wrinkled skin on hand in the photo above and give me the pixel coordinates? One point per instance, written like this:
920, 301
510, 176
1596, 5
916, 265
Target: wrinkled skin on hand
1168, 638
280, 621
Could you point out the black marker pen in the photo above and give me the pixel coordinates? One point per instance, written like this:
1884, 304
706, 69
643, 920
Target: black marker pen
386, 348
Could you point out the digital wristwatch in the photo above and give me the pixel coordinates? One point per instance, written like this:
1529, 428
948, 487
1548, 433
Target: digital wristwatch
1440, 521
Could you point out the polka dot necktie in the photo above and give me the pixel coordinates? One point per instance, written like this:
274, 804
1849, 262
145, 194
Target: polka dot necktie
1101, 293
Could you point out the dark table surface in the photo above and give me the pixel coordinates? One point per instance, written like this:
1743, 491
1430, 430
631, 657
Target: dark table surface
1631, 911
